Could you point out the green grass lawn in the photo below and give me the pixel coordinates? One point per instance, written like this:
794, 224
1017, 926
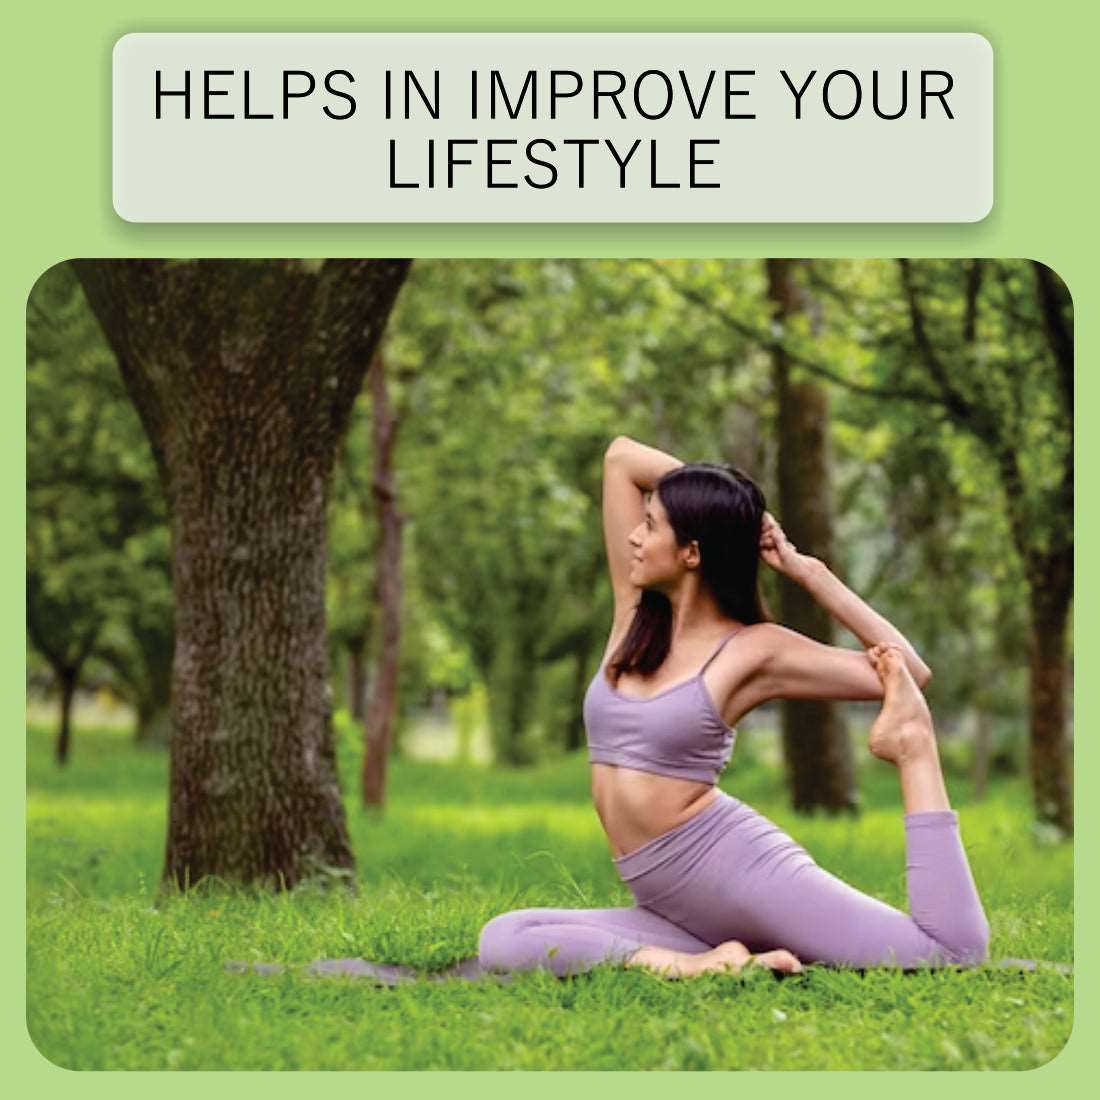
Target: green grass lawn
117, 981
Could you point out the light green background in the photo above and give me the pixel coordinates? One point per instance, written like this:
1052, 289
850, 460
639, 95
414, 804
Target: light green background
57, 125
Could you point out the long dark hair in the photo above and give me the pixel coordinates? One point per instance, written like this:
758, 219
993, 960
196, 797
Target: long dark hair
723, 510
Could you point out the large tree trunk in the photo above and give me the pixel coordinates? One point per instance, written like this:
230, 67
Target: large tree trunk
815, 743
244, 374
382, 710
1052, 787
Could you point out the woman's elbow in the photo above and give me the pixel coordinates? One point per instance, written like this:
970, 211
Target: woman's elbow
617, 446
923, 675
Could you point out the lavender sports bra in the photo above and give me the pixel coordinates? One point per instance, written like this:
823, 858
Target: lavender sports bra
677, 732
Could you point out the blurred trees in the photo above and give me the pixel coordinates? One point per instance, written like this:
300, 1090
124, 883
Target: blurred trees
960, 374
98, 582
992, 356
381, 711
534, 367
508, 378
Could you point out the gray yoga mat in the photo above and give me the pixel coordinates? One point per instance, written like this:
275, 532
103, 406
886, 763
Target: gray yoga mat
470, 970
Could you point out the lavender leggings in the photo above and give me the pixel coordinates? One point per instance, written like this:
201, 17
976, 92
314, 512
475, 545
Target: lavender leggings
731, 874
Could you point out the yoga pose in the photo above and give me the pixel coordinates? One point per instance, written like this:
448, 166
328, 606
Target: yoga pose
716, 884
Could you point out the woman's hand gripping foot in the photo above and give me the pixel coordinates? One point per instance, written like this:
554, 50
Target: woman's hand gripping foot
903, 734
903, 728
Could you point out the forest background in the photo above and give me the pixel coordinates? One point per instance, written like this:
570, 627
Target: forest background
387, 548
910, 423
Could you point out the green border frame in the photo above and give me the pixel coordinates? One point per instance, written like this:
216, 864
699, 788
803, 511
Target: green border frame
58, 88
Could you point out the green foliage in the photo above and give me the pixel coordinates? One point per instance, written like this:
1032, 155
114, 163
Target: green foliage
510, 377
967, 478
98, 572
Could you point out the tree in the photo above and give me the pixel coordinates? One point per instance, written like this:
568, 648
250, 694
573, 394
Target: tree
976, 356
244, 374
747, 318
815, 742
975, 360
1000, 369
137, 644
382, 707
535, 367
93, 508
63, 629
352, 562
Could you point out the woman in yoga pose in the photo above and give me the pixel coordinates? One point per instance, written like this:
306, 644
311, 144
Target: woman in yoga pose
716, 884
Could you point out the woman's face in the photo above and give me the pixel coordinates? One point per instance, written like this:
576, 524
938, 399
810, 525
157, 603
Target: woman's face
658, 558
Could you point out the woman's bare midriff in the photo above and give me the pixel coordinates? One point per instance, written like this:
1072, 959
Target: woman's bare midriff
636, 806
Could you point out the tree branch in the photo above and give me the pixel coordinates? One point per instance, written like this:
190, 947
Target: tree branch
961, 409
974, 274
1053, 298
769, 343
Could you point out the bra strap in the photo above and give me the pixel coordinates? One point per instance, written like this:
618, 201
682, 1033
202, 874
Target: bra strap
718, 650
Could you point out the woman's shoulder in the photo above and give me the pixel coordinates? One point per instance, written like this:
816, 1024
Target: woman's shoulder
761, 632
760, 640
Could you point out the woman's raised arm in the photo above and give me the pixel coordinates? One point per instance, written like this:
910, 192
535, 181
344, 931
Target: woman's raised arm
630, 470
792, 660
644, 465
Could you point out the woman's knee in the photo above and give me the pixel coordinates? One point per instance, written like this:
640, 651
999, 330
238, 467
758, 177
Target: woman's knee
500, 942
968, 944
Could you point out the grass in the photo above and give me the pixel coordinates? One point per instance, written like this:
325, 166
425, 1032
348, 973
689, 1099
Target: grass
117, 981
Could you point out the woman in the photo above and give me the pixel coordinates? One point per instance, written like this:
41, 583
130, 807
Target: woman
716, 884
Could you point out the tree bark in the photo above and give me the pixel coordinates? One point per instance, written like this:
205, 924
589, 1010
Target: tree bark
382, 709
1051, 780
244, 374
815, 742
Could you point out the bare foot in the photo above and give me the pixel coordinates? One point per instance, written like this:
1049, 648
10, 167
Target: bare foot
779, 960
730, 957
903, 729
733, 956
